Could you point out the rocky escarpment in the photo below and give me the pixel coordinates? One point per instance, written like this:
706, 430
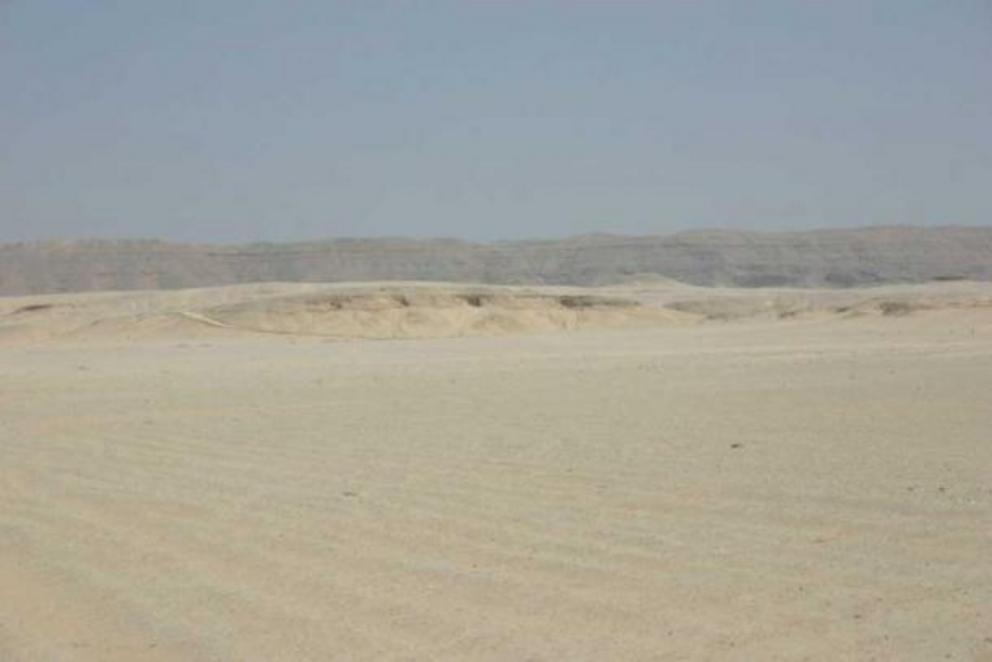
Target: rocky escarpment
751, 259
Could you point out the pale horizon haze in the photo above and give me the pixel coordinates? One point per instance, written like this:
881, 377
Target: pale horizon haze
248, 121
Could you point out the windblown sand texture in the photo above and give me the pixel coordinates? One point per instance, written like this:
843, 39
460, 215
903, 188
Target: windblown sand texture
416, 472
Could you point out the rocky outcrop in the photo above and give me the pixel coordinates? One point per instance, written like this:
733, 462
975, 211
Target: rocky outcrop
752, 259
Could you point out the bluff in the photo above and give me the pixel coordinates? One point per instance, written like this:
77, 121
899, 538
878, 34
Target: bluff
843, 258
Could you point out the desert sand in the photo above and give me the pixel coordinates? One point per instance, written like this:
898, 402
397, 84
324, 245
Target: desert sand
417, 472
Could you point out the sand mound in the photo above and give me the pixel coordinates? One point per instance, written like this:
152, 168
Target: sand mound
432, 313
726, 304
420, 310
356, 311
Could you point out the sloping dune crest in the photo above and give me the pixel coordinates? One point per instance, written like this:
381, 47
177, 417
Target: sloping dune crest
361, 311
431, 313
426, 310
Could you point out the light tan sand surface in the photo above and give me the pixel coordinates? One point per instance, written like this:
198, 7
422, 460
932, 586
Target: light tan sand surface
706, 475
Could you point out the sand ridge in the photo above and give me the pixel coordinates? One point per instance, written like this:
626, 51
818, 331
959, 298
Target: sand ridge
411, 310
437, 310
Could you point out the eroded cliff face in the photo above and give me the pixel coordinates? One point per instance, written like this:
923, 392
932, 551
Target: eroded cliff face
817, 258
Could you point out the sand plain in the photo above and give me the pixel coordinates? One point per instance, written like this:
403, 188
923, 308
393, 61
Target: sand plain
710, 475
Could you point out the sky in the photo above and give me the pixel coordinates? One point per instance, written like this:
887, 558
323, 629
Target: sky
249, 120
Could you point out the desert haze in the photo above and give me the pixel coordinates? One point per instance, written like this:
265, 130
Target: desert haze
650, 471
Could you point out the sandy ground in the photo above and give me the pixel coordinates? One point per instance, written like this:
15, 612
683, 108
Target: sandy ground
777, 487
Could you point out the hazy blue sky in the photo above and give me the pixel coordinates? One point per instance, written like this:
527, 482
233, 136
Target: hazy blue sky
243, 120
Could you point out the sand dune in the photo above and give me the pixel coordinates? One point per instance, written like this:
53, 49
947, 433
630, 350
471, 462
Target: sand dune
339, 311
438, 310
720, 475
435, 312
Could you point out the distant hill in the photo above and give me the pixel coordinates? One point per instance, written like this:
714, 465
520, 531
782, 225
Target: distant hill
713, 257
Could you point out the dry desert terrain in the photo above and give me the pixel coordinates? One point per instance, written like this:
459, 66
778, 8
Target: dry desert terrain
440, 472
